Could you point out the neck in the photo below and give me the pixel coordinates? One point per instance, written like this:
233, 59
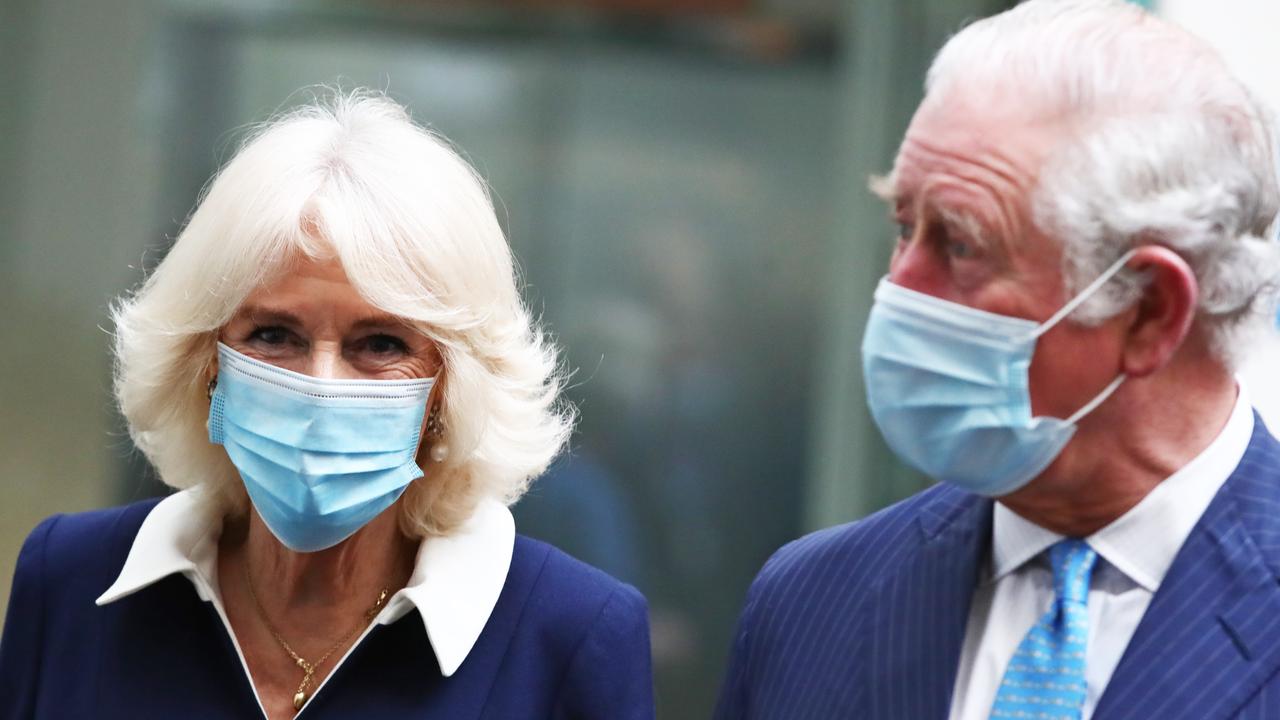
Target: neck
1126, 449
335, 580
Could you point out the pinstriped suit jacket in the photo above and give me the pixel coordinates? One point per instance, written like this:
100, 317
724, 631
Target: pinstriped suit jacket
867, 620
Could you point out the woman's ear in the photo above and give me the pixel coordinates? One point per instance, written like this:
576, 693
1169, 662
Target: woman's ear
432, 442
1162, 317
211, 383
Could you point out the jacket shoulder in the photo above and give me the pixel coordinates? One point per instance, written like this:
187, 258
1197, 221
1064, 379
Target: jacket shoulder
84, 548
813, 589
598, 628
592, 627
66, 562
579, 590
860, 551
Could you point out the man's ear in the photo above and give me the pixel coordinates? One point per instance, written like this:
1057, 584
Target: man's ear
1162, 317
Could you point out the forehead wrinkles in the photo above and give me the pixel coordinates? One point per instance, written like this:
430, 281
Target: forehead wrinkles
986, 184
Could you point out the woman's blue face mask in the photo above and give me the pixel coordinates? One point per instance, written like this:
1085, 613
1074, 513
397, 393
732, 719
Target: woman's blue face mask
319, 458
948, 387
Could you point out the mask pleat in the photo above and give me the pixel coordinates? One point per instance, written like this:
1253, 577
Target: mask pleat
312, 462
948, 387
319, 458
294, 422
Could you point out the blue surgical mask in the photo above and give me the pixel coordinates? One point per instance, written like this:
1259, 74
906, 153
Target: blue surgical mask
947, 385
320, 458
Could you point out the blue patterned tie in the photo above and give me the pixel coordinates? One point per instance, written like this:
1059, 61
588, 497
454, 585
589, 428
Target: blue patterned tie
1045, 678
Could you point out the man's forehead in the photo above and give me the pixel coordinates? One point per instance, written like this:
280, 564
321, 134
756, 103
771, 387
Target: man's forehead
1000, 149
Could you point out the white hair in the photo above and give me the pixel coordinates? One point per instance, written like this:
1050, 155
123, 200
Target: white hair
1163, 145
413, 226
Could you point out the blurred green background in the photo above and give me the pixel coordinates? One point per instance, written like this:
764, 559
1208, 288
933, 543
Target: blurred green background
683, 183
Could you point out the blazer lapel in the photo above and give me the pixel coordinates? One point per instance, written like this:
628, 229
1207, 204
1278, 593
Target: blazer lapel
917, 617
1211, 636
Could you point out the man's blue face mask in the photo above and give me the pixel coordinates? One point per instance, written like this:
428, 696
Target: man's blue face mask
947, 385
319, 458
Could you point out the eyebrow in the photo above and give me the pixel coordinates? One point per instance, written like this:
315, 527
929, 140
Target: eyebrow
972, 225
967, 222
885, 187
381, 320
260, 314
266, 315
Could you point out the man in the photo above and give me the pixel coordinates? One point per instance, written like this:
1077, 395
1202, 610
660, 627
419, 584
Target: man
1082, 199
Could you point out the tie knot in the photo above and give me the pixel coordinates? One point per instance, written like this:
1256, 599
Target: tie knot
1072, 562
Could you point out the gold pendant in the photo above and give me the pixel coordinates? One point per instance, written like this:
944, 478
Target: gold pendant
299, 699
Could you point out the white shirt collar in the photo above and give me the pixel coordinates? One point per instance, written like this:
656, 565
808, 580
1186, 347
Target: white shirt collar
1143, 542
455, 583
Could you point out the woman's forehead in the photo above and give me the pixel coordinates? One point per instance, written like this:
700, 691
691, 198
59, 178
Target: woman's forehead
311, 287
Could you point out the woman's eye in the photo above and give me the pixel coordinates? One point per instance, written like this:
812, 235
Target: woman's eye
271, 335
384, 345
906, 231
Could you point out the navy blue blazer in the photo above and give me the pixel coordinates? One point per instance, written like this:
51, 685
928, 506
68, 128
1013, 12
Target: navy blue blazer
564, 641
867, 620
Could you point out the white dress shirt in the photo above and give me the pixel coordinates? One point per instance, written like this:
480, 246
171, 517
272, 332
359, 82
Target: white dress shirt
454, 586
1134, 553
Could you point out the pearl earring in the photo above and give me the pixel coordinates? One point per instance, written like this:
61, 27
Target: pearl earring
435, 431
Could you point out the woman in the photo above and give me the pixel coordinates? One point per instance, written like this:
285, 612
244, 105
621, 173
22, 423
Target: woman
334, 367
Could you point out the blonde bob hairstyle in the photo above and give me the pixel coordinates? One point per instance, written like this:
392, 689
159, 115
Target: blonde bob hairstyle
350, 177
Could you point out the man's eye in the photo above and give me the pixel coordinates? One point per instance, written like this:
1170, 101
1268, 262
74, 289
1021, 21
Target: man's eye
959, 249
906, 231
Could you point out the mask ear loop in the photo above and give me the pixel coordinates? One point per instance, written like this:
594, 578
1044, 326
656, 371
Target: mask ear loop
1069, 308
1101, 398
1084, 295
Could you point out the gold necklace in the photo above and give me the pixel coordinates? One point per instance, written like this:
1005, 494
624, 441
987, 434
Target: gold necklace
309, 668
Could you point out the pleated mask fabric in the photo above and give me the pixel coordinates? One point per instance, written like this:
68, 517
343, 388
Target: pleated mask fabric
319, 457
